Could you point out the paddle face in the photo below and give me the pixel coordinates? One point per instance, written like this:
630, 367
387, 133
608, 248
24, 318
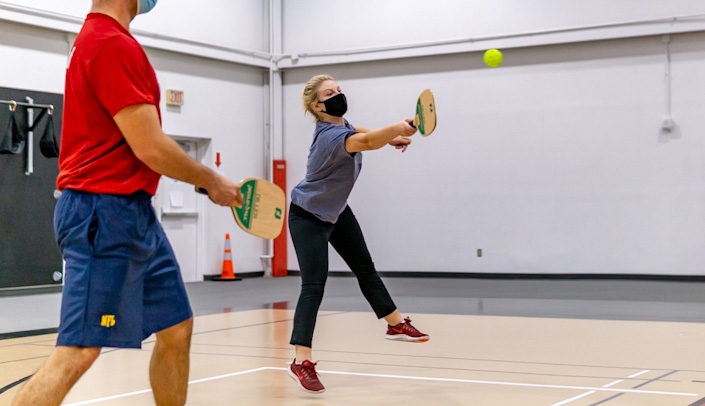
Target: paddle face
263, 208
425, 119
262, 211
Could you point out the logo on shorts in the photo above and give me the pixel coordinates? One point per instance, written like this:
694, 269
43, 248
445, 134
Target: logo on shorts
107, 320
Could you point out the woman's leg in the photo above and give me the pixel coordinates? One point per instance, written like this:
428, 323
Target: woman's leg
310, 238
348, 241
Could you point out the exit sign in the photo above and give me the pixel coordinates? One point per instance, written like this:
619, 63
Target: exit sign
174, 98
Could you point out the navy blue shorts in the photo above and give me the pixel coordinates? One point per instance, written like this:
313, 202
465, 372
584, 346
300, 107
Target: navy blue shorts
122, 282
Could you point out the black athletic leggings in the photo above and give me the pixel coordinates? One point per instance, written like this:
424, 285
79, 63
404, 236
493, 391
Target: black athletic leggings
311, 237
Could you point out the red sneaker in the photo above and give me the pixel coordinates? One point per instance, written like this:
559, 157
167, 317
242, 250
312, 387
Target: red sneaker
306, 376
404, 331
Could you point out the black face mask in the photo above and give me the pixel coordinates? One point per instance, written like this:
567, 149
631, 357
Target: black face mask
336, 106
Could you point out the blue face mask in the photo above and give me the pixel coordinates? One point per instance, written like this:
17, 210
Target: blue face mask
145, 6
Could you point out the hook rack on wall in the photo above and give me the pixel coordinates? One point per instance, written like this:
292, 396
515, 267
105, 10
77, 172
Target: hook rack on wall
13, 105
18, 136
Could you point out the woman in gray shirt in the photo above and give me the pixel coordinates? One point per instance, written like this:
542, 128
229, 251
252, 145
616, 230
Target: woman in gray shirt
319, 214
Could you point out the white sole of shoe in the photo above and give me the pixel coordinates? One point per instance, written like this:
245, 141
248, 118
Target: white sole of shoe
298, 382
404, 337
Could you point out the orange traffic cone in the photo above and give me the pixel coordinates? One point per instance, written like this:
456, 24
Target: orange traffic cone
228, 273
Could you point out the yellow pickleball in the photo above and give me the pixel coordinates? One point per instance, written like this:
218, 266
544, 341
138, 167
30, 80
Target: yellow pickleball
493, 58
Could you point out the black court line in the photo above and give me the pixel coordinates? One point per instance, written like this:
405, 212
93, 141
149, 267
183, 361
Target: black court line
13, 384
16, 361
435, 357
523, 276
28, 333
253, 325
658, 378
336, 313
425, 367
499, 371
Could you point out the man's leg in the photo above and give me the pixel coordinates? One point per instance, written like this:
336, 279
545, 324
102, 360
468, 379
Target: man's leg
57, 376
169, 368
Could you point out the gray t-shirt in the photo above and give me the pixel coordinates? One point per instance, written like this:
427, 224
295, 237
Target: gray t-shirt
331, 172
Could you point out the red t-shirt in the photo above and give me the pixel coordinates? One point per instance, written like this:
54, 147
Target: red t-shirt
107, 71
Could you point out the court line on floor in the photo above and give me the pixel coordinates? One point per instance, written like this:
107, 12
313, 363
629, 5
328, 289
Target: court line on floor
258, 324
582, 395
139, 392
13, 384
657, 379
407, 377
436, 357
378, 364
522, 384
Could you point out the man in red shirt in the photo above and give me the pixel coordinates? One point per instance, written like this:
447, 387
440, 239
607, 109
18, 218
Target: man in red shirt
122, 281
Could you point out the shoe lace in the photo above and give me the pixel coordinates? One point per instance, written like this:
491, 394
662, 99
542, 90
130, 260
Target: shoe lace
308, 369
407, 325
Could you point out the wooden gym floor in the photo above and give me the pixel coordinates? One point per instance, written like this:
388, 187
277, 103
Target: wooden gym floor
240, 356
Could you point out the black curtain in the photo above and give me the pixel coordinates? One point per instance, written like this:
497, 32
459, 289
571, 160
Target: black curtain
29, 256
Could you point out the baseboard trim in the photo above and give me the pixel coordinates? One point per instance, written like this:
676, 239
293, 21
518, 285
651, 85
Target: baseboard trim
28, 333
238, 276
538, 276
31, 290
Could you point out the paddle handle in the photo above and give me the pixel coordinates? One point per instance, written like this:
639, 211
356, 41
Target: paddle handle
203, 191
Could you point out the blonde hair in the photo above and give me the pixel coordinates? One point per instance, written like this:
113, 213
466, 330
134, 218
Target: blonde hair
310, 94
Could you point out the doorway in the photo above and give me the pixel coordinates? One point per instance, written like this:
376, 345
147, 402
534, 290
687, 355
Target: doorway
181, 213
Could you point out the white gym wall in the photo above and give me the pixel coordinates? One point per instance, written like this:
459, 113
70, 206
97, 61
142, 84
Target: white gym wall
223, 99
554, 162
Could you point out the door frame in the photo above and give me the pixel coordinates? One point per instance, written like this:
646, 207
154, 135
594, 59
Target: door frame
201, 145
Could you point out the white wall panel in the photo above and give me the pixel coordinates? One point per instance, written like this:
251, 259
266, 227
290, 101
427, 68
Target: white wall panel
231, 23
319, 25
223, 103
32, 59
552, 163
318, 33
76, 8
234, 31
